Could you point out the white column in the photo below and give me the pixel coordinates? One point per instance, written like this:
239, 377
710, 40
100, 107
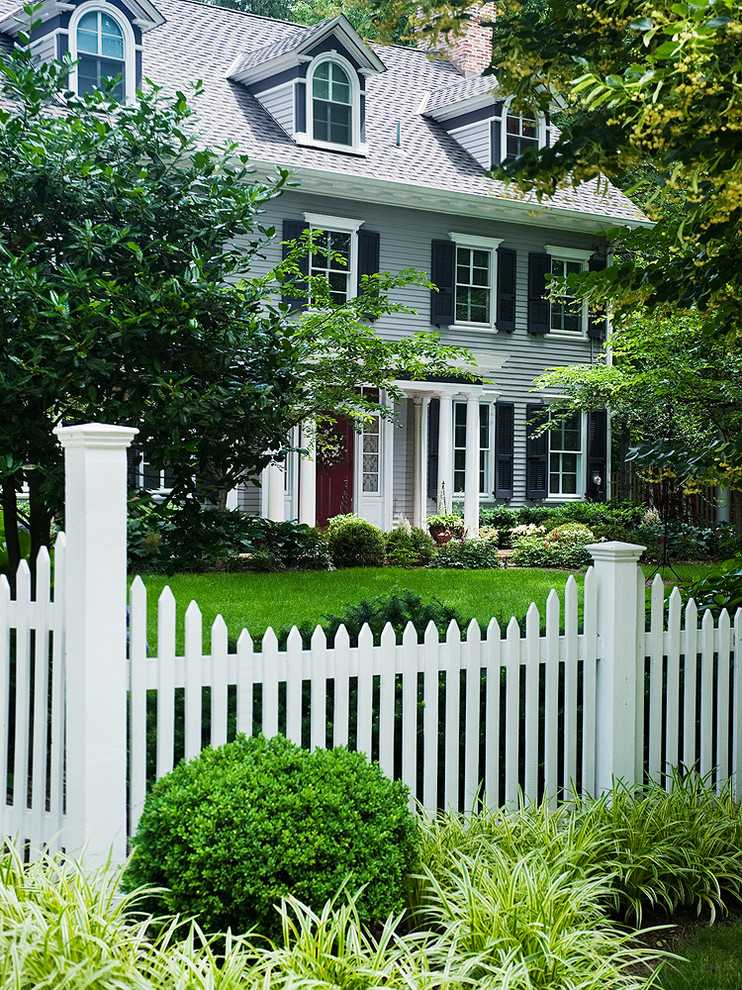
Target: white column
619, 667
274, 481
419, 459
471, 485
308, 479
95, 647
386, 439
445, 448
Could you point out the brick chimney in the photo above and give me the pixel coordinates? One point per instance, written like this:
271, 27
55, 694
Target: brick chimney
471, 50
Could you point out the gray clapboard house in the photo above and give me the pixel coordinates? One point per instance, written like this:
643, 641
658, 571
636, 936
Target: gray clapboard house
391, 151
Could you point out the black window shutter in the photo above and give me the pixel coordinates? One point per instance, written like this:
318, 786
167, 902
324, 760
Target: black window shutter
597, 455
443, 274
539, 308
495, 143
292, 231
506, 276
504, 443
133, 460
597, 324
368, 258
537, 453
433, 424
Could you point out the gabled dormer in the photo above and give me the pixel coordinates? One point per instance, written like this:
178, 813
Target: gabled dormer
104, 37
313, 82
474, 112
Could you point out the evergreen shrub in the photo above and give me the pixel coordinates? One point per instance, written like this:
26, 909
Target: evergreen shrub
409, 546
561, 547
231, 832
474, 554
354, 542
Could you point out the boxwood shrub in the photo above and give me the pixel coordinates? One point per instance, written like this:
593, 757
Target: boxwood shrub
231, 832
354, 542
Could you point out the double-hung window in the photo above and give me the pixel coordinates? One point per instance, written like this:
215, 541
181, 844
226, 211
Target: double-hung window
335, 253
565, 457
567, 314
459, 448
522, 130
102, 45
476, 278
332, 104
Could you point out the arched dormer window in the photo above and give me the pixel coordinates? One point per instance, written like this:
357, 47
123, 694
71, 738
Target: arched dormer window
102, 43
334, 104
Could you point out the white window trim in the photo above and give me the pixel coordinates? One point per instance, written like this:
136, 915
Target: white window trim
341, 225
307, 137
475, 242
581, 256
506, 112
130, 58
581, 480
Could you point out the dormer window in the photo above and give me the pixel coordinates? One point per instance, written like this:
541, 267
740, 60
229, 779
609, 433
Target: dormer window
521, 132
100, 53
334, 105
102, 43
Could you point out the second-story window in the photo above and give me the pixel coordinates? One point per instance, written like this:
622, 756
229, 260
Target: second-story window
100, 53
521, 132
332, 104
332, 258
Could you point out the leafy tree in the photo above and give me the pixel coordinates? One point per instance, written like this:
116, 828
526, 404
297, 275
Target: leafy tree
124, 297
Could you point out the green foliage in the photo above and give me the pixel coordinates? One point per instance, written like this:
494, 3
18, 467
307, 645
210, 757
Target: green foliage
398, 609
499, 516
719, 591
237, 828
561, 547
191, 538
472, 554
354, 542
409, 546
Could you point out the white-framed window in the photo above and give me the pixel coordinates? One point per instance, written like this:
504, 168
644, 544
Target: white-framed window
155, 479
567, 314
514, 132
485, 448
101, 41
335, 253
566, 449
371, 456
475, 301
334, 95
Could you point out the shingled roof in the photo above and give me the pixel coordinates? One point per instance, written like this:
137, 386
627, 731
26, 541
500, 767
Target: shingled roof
201, 41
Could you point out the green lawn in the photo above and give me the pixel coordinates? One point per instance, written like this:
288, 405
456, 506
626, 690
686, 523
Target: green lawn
257, 601
712, 959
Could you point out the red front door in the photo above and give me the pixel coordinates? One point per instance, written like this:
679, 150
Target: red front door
335, 446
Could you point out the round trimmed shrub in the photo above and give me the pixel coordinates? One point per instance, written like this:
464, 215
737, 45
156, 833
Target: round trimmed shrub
234, 830
355, 542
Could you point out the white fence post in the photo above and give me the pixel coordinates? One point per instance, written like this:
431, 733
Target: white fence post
618, 667
95, 523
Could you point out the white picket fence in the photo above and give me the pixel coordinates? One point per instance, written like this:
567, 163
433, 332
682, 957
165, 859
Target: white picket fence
479, 718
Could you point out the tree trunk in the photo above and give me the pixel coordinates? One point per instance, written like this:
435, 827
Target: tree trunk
40, 521
10, 520
625, 472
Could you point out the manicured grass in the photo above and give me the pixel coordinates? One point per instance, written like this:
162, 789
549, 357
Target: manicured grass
714, 960
257, 601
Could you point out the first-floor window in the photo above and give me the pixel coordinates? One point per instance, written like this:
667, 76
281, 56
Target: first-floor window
155, 479
371, 454
459, 448
565, 457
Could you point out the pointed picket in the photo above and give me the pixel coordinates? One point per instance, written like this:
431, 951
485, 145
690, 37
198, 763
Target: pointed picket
690, 684
387, 680
410, 657
193, 680
473, 667
166, 621
57, 703
341, 709
512, 713
318, 681
723, 700
533, 668
23, 625
270, 683
492, 651
570, 686
452, 730
656, 654
707, 693
294, 648
672, 711
41, 670
431, 651
5, 683
219, 692
551, 699
589, 682
245, 682
365, 654
736, 711
137, 701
